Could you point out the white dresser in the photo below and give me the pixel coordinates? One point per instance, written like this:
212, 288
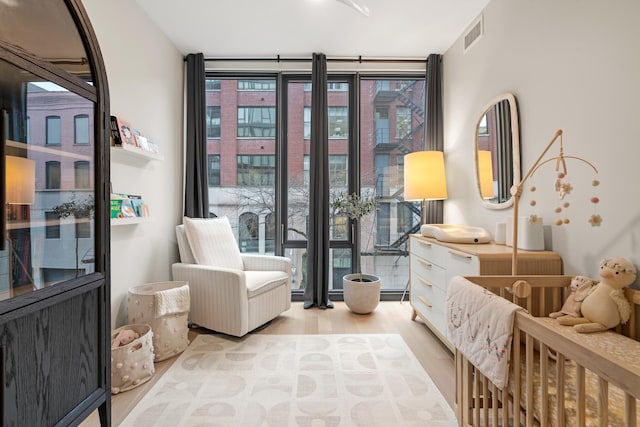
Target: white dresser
433, 263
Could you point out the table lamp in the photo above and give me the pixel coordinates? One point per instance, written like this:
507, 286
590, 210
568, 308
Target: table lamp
20, 190
424, 178
485, 174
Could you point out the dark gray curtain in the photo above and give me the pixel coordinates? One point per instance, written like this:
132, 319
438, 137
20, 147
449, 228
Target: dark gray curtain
504, 150
196, 192
434, 132
316, 292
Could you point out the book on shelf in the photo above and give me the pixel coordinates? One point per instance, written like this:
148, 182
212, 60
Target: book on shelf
122, 132
128, 206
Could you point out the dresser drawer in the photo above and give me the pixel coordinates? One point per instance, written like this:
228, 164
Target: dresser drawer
428, 272
430, 303
435, 254
461, 264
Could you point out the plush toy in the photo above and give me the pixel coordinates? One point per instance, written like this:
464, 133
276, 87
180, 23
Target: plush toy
606, 306
124, 337
580, 288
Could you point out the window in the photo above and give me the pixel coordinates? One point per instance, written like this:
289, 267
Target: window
257, 170
213, 122
213, 169
81, 174
256, 122
263, 85
211, 85
52, 175
403, 122
52, 229
53, 130
28, 130
338, 122
483, 129
248, 232
306, 165
331, 86
270, 233
81, 134
83, 228
307, 122
338, 170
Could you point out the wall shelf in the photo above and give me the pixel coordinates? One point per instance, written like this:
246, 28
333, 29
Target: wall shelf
136, 152
129, 221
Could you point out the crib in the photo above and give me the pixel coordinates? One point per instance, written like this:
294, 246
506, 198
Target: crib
557, 377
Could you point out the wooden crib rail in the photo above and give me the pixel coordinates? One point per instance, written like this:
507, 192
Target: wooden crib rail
598, 375
546, 296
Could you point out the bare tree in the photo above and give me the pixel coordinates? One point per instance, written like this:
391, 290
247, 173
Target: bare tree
79, 209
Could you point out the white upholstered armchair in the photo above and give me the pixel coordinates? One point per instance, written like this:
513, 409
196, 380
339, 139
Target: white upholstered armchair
231, 292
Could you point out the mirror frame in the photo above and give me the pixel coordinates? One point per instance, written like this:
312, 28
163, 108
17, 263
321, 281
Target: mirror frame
515, 147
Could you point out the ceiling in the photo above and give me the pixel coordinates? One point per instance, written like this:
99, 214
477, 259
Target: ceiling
297, 28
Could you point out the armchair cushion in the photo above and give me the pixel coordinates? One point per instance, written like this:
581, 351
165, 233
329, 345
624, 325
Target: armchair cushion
259, 282
212, 242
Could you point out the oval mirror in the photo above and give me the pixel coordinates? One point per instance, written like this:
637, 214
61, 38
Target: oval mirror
497, 152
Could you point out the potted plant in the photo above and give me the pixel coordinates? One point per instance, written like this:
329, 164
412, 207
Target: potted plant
361, 291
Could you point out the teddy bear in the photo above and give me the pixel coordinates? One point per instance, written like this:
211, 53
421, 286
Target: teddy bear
606, 305
580, 287
124, 337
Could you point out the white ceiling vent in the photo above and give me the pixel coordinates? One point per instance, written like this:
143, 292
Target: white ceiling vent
475, 32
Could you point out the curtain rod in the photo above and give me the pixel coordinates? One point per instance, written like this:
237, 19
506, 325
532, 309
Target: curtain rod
360, 59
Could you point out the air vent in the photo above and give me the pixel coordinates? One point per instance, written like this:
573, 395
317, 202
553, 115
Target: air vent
473, 34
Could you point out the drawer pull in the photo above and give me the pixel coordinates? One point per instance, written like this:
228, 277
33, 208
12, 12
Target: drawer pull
427, 263
423, 243
425, 282
425, 302
460, 255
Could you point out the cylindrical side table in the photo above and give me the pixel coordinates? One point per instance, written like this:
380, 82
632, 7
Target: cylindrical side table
165, 307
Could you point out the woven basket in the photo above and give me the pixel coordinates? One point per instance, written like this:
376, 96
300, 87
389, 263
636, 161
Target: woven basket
132, 364
171, 329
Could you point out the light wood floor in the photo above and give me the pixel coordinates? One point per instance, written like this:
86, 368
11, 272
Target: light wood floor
389, 317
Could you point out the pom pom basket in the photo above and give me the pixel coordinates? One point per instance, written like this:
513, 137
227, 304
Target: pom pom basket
132, 364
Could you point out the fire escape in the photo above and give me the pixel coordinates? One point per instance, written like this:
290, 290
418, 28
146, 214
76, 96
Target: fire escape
389, 183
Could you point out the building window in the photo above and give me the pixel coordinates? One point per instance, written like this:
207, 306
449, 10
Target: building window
259, 85
213, 169
338, 122
340, 228
483, 129
270, 233
81, 122
403, 122
52, 229
52, 169
83, 228
53, 130
248, 232
338, 170
307, 123
213, 122
257, 170
211, 85
28, 130
256, 122
81, 174
306, 167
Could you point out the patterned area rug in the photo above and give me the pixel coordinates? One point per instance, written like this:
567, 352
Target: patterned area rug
294, 380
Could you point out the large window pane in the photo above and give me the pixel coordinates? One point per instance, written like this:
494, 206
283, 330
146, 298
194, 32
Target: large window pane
392, 124
241, 119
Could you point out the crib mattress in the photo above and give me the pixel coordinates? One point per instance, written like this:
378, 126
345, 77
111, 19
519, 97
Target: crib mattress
606, 341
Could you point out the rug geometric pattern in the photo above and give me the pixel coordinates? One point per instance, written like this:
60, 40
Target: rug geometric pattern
294, 380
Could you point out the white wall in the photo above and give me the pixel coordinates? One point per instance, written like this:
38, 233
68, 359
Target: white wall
145, 73
572, 65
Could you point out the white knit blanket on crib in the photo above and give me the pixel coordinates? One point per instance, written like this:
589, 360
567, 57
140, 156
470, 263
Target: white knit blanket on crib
480, 325
172, 301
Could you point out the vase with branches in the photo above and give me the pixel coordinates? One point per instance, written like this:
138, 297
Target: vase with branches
355, 207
